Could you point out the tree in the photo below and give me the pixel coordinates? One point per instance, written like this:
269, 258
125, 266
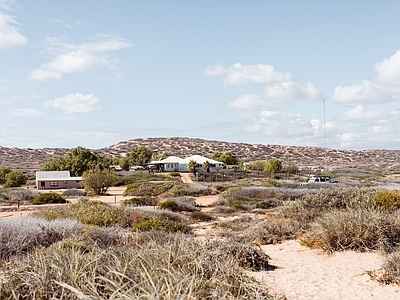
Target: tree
77, 161
192, 166
273, 165
14, 179
291, 168
257, 165
139, 156
227, 158
3, 173
206, 166
98, 180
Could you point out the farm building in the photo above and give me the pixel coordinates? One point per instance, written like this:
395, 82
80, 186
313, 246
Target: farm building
47, 180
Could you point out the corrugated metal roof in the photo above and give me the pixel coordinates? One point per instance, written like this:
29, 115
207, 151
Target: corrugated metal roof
52, 174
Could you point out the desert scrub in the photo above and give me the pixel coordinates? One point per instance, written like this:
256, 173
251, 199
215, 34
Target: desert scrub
21, 235
355, 229
184, 203
143, 177
312, 205
48, 198
191, 189
76, 193
162, 266
141, 201
246, 256
390, 273
89, 212
148, 188
160, 224
388, 199
201, 216
15, 194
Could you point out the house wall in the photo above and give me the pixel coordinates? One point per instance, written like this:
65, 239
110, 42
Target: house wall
58, 184
171, 167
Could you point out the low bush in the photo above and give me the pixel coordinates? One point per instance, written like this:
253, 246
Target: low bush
161, 266
192, 189
356, 229
142, 177
390, 273
246, 256
141, 201
201, 216
175, 174
73, 193
89, 212
17, 194
388, 199
48, 198
170, 205
21, 235
160, 224
148, 188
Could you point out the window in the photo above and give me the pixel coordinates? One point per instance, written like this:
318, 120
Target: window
53, 183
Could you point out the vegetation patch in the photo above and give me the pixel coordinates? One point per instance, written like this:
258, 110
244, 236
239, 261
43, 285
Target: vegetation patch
141, 201
89, 212
48, 198
148, 188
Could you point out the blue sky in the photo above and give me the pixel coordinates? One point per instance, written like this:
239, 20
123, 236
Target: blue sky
93, 73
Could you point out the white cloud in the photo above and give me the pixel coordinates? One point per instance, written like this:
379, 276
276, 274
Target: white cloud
246, 102
282, 125
75, 103
360, 112
241, 74
384, 87
71, 58
10, 37
389, 69
368, 91
292, 91
26, 112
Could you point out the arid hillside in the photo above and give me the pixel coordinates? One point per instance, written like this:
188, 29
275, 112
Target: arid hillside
302, 156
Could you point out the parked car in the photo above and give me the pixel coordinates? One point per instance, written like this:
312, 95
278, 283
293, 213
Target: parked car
318, 179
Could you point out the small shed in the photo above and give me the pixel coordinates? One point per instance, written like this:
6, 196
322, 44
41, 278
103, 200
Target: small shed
48, 180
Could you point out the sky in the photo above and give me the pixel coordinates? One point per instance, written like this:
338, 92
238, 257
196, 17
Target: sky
293, 73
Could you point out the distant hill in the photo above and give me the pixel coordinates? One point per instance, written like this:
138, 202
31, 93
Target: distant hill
31, 159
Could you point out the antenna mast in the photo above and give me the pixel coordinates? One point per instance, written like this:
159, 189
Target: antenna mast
323, 100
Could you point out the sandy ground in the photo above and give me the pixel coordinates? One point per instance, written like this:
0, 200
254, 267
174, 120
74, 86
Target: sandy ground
303, 273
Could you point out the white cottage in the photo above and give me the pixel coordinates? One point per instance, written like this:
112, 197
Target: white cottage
47, 180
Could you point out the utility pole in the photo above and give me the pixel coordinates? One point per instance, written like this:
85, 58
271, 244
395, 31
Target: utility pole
326, 150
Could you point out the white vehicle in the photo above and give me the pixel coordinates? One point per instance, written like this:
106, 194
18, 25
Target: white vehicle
318, 179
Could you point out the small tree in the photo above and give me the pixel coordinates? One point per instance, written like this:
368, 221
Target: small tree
257, 165
3, 173
273, 165
291, 168
138, 156
206, 166
14, 179
192, 166
98, 181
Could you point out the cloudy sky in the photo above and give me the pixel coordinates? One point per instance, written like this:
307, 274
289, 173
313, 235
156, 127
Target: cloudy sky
305, 73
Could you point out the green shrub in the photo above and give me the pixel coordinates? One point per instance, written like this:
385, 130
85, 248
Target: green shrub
191, 189
147, 188
170, 205
48, 198
89, 212
73, 193
269, 182
141, 201
160, 224
388, 199
175, 174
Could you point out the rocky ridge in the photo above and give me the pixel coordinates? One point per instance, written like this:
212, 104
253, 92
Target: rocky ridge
28, 158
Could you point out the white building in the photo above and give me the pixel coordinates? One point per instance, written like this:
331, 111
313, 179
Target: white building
47, 180
174, 163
